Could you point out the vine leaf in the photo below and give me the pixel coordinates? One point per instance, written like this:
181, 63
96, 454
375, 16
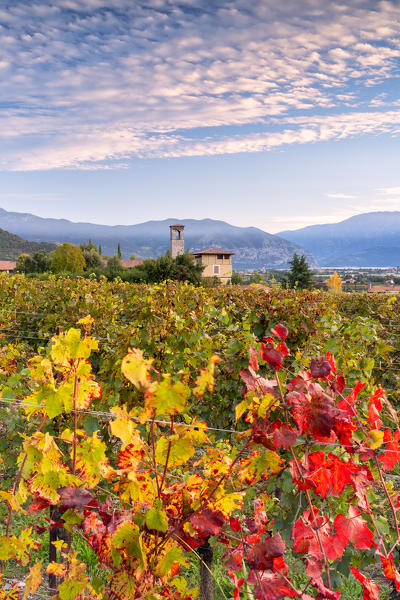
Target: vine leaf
74, 496
177, 449
156, 518
208, 522
370, 589
353, 529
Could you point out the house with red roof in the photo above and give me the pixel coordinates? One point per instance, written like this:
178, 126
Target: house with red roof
216, 263
7, 266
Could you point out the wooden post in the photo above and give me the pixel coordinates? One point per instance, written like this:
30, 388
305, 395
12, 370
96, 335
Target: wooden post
206, 555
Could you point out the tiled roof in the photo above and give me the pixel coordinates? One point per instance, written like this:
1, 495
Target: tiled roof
213, 251
7, 265
130, 263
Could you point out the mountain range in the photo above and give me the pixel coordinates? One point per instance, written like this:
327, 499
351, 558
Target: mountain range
253, 247
365, 240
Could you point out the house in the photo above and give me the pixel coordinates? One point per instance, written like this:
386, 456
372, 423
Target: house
384, 289
130, 263
6, 266
216, 263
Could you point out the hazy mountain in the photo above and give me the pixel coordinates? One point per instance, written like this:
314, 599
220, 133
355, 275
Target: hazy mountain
11, 246
253, 247
366, 240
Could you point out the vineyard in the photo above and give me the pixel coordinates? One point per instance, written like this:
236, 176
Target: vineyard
177, 442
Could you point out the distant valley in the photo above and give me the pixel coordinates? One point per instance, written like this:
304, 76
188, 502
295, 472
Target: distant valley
365, 240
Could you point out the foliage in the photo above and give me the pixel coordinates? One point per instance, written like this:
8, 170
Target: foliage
181, 268
305, 474
67, 258
236, 278
300, 275
39, 262
335, 283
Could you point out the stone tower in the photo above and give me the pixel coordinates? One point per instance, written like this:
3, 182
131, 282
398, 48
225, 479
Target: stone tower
177, 241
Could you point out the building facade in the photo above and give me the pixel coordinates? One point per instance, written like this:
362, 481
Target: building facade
216, 263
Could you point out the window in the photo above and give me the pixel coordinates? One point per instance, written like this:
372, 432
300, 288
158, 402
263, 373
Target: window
216, 269
220, 256
227, 256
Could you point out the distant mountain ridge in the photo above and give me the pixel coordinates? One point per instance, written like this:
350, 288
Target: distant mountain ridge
365, 240
253, 247
11, 246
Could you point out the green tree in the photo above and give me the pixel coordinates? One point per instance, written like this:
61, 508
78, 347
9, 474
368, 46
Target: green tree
182, 268
39, 262
236, 279
69, 258
92, 256
100, 249
113, 266
24, 264
119, 251
300, 275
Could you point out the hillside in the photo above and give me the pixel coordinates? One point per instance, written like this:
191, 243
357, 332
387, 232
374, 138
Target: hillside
253, 247
366, 240
11, 246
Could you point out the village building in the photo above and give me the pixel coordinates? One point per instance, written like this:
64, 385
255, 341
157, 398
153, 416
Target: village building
216, 263
131, 263
7, 266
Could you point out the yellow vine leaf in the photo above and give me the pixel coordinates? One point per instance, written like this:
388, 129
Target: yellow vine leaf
374, 439
169, 398
57, 569
33, 581
206, 378
136, 368
85, 321
177, 449
123, 427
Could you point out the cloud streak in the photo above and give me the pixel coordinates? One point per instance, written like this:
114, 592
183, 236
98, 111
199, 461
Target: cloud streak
91, 85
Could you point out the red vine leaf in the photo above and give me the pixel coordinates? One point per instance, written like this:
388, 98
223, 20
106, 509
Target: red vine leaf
260, 556
320, 367
74, 496
271, 356
354, 529
270, 586
370, 589
280, 331
208, 522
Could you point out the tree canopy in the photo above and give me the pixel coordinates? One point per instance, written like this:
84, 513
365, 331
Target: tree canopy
300, 275
67, 258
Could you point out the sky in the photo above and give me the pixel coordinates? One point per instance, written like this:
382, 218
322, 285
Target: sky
263, 113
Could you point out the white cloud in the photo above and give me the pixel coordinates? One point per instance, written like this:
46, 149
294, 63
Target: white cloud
105, 80
340, 196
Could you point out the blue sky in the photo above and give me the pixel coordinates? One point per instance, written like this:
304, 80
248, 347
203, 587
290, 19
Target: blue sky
262, 113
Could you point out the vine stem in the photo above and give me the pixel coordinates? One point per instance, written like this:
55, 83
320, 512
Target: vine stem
307, 492
381, 478
153, 448
171, 429
392, 508
76, 389
211, 494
